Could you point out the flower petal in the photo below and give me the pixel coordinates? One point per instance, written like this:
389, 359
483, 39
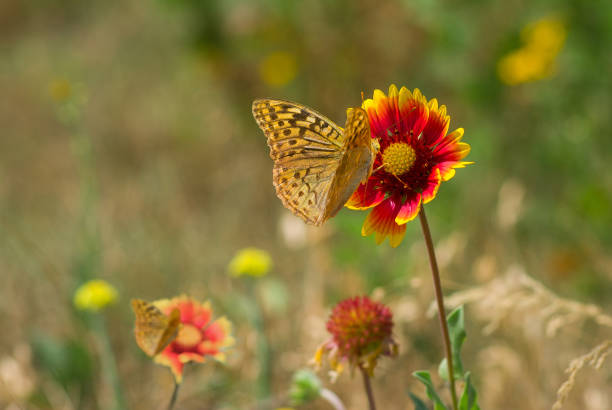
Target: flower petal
437, 124
191, 357
381, 222
394, 107
167, 358
377, 127
449, 153
449, 142
413, 112
383, 109
409, 210
365, 196
432, 186
447, 168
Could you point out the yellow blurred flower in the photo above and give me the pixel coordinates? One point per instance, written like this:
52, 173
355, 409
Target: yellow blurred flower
60, 89
94, 295
278, 68
524, 65
250, 261
547, 35
534, 61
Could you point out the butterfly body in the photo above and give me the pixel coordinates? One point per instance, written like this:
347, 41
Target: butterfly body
317, 164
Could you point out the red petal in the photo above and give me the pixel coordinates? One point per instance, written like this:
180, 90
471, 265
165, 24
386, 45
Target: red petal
409, 210
186, 308
215, 332
437, 124
202, 315
365, 197
187, 357
447, 169
433, 183
452, 152
413, 111
168, 358
381, 221
451, 143
384, 111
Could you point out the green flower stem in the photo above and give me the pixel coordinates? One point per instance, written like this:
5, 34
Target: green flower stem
174, 396
368, 388
263, 349
440, 301
109, 363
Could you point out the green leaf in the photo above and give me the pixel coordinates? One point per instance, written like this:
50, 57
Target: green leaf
418, 403
424, 377
469, 398
456, 330
67, 361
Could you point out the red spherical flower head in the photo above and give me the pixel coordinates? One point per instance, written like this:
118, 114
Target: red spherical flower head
361, 332
416, 154
200, 337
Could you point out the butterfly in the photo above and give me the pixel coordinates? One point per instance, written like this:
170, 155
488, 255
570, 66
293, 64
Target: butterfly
153, 329
317, 164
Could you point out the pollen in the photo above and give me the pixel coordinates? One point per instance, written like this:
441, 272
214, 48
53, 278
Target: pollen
398, 158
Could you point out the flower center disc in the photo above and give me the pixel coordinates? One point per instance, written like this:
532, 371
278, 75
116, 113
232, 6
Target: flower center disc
398, 158
189, 335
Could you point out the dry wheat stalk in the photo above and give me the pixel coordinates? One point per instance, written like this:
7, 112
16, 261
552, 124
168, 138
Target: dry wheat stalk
594, 358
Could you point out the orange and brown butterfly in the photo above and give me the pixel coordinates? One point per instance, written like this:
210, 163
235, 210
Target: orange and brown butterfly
317, 164
153, 329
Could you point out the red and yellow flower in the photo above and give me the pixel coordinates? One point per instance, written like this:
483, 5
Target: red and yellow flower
200, 337
361, 332
416, 154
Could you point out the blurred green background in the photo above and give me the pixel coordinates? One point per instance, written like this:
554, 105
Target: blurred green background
128, 152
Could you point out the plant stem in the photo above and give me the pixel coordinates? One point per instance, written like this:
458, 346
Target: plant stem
332, 398
174, 396
109, 363
368, 388
263, 352
440, 301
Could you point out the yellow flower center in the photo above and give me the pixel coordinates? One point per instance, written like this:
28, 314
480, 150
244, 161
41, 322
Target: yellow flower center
398, 158
189, 335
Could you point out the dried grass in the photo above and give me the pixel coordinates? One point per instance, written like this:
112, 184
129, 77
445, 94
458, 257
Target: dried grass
594, 358
516, 296
516, 293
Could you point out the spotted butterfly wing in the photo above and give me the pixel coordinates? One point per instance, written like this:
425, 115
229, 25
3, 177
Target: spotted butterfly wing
357, 160
153, 329
317, 164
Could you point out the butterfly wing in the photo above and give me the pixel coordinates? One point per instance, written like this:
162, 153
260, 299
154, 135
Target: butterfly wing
356, 163
153, 329
306, 148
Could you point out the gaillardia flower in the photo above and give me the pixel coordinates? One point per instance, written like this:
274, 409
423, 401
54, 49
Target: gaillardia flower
198, 338
416, 154
361, 332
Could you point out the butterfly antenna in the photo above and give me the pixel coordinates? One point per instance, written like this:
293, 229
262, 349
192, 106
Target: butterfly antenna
362, 97
378, 169
402, 182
